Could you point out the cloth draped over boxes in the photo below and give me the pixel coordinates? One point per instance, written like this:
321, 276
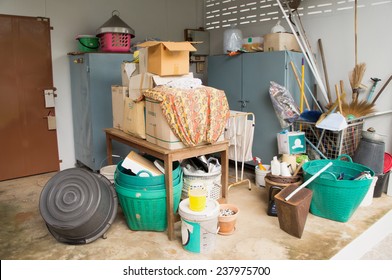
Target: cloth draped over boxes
196, 115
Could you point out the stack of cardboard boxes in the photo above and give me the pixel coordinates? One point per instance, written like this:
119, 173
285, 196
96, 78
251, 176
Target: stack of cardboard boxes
158, 63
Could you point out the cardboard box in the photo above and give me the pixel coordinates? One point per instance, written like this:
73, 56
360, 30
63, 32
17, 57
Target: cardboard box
138, 83
134, 119
143, 59
137, 163
168, 58
158, 130
119, 93
280, 42
128, 69
143, 81
291, 143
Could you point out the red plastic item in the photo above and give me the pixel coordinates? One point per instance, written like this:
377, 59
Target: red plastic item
115, 42
387, 162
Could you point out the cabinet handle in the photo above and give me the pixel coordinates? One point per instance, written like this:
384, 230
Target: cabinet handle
243, 103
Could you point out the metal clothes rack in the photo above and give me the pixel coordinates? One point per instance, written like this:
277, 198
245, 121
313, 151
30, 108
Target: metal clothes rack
239, 180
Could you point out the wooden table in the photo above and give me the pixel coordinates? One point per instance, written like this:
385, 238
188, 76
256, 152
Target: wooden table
168, 157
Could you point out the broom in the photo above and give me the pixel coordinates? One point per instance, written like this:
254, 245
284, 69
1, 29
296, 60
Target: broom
355, 78
355, 109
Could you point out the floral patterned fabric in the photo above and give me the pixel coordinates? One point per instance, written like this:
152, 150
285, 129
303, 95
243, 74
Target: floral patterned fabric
195, 115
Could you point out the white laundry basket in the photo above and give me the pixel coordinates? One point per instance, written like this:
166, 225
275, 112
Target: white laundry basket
210, 181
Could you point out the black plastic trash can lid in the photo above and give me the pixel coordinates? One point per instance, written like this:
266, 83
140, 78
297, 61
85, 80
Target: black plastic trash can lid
78, 206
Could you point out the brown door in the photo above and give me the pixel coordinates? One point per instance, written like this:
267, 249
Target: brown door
27, 144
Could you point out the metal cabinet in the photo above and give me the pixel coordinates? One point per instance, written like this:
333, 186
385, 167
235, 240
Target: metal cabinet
246, 80
92, 75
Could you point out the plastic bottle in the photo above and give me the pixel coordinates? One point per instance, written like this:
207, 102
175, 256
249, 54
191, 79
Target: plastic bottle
275, 166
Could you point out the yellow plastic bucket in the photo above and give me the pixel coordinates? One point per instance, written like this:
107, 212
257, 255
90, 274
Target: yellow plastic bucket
197, 199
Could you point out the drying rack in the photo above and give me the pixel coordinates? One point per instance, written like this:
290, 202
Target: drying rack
239, 180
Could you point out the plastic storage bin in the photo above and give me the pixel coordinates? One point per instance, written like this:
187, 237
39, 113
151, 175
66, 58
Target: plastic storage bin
145, 209
332, 198
115, 42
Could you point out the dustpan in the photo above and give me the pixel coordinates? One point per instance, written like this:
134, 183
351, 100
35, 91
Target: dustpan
333, 122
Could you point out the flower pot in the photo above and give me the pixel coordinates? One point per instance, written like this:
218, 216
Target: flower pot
227, 223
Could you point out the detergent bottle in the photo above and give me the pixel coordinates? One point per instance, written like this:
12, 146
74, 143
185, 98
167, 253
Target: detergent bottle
275, 166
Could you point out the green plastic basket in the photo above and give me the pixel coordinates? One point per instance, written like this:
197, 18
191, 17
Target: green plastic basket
332, 198
153, 182
88, 43
145, 209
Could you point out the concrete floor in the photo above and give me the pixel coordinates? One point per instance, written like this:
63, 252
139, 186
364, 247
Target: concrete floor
23, 234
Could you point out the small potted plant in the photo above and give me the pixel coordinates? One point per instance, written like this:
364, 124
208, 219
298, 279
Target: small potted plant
227, 218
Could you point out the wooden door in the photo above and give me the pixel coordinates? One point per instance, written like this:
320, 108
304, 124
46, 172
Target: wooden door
27, 144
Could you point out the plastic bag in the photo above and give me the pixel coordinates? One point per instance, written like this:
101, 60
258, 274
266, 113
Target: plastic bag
232, 39
285, 107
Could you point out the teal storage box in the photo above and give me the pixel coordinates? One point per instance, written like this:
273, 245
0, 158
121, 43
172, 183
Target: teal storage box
291, 143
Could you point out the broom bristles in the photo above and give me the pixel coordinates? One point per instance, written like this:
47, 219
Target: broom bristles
355, 78
358, 108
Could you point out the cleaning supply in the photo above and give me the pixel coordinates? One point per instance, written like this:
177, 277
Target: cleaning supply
284, 169
275, 166
259, 164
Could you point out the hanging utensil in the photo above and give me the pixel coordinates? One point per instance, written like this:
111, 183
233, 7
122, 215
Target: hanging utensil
381, 90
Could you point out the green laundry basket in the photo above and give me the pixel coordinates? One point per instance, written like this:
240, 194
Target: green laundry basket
332, 198
145, 209
87, 43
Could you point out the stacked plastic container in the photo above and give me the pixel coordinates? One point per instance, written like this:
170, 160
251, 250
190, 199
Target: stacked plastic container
143, 198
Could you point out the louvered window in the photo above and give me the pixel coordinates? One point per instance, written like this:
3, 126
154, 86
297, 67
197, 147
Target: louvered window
223, 13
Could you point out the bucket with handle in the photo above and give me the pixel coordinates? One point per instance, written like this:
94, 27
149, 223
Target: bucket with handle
199, 229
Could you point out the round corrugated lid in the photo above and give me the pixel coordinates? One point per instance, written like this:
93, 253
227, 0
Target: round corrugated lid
78, 206
116, 25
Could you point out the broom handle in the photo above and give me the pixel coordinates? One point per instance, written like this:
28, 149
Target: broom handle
299, 83
355, 30
308, 181
320, 44
338, 99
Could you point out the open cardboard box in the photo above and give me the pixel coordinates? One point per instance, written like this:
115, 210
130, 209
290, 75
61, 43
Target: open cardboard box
168, 58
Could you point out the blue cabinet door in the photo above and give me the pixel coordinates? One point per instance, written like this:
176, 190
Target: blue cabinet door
92, 76
225, 73
246, 81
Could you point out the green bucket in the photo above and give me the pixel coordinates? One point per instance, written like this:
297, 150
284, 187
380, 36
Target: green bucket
332, 198
153, 182
145, 209
87, 43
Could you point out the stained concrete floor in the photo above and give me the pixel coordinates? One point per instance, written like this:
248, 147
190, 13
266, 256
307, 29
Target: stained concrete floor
23, 234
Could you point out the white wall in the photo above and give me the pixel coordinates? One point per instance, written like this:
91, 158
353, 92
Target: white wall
337, 34
166, 19
163, 19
